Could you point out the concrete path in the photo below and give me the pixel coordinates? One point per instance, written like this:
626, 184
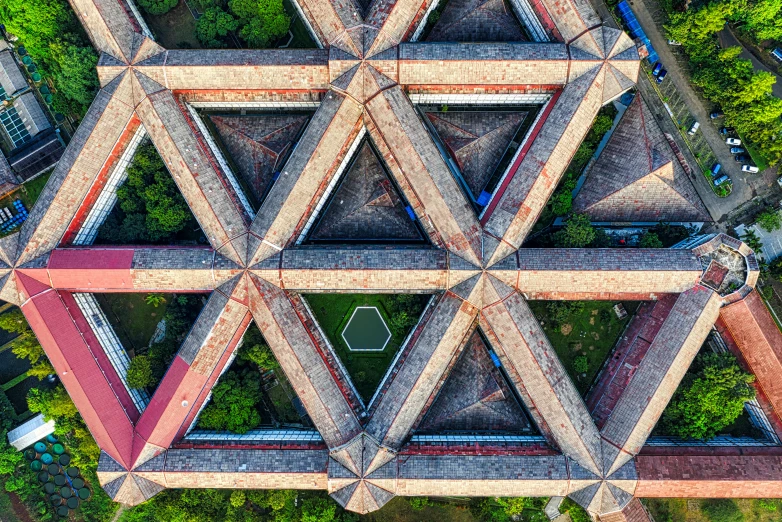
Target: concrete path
728, 39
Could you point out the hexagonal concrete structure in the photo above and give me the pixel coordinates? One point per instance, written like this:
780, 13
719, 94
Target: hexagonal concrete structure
366, 330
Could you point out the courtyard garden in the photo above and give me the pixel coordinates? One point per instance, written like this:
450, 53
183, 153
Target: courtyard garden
133, 317
583, 333
399, 312
253, 392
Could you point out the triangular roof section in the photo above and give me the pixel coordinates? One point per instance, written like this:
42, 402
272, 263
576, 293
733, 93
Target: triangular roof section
477, 21
637, 176
366, 206
258, 146
477, 141
475, 397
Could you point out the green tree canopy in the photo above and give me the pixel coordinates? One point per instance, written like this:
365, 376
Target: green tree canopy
770, 220
213, 25
157, 7
710, 397
234, 404
650, 240
578, 233
151, 209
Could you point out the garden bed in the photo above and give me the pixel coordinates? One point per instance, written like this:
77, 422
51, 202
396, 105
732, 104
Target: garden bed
590, 333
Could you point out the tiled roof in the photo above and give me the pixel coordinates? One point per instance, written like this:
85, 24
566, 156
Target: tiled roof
637, 176
258, 262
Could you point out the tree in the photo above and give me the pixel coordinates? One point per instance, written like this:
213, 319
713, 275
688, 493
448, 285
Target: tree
13, 321
151, 209
41, 369
53, 404
157, 7
260, 21
769, 220
140, 372
578, 233
561, 203
214, 24
155, 299
750, 237
74, 77
710, 397
650, 240
234, 404
259, 354
318, 509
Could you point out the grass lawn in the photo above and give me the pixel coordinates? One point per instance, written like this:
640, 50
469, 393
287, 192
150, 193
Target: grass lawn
133, 320
301, 36
691, 510
176, 29
586, 333
366, 369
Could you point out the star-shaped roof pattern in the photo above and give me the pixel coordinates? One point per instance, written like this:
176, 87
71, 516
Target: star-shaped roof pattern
361, 81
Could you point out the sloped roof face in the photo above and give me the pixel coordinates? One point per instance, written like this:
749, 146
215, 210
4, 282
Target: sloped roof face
11, 78
638, 177
477, 21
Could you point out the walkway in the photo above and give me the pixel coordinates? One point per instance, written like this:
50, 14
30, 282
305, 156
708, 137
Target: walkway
772, 241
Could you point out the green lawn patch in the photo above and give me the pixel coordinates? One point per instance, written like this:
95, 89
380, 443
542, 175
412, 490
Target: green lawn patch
590, 333
134, 321
366, 369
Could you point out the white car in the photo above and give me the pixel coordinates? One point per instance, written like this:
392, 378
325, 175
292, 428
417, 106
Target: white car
749, 168
733, 141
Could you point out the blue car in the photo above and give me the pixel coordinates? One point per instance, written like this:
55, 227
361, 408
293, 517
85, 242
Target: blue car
661, 76
657, 69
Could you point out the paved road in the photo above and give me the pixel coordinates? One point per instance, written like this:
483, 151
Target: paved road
772, 241
728, 39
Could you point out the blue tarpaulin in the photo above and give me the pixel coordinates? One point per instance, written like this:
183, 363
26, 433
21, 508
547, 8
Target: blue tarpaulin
628, 17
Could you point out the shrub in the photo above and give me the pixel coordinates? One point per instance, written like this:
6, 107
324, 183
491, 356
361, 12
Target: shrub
581, 364
419, 503
769, 220
140, 372
722, 510
650, 240
234, 404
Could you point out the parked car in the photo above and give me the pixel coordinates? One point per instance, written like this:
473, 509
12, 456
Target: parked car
716, 170
719, 181
751, 169
736, 150
694, 129
673, 42
733, 141
777, 53
726, 130
779, 181
741, 158
716, 114
657, 69
661, 76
